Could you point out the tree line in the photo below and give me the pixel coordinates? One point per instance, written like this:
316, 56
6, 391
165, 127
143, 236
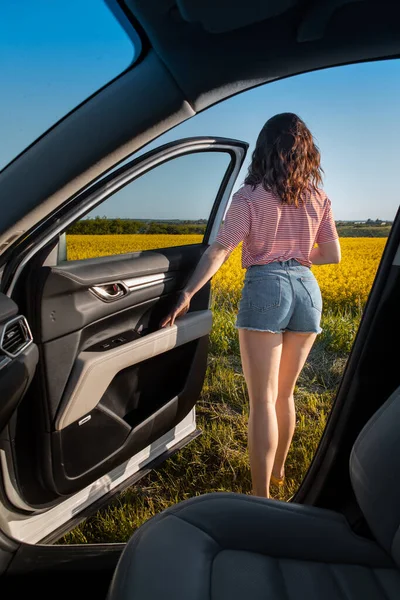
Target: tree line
104, 226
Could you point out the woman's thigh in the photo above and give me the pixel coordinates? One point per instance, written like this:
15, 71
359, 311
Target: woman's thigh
295, 350
261, 353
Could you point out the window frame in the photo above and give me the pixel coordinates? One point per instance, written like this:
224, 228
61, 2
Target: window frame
225, 176
48, 231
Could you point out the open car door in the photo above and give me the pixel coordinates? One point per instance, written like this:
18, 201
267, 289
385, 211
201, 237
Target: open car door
112, 391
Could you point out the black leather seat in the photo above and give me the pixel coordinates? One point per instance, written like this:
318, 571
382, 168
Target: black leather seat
229, 546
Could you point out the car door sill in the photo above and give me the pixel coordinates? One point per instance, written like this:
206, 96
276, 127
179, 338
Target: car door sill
50, 525
104, 500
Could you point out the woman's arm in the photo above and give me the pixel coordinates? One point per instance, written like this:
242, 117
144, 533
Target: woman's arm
327, 253
209, 264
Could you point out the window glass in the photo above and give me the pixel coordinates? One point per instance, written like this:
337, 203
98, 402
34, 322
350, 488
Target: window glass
167, 206
53, 55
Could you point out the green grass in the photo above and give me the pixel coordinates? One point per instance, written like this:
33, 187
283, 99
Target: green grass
217, 460
366, 231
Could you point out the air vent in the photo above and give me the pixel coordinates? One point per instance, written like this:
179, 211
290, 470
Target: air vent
15, 337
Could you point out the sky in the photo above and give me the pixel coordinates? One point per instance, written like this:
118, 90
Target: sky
54, 55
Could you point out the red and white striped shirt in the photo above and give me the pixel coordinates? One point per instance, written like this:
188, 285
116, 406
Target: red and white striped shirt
272, 231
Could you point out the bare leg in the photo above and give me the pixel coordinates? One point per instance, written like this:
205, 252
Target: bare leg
295, 349
261, 353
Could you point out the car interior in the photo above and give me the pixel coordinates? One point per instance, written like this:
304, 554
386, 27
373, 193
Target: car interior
80, 340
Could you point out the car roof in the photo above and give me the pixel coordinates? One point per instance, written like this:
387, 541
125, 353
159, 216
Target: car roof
194, 53
215, 48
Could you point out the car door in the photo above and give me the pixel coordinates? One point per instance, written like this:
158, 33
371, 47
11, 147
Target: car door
110, 383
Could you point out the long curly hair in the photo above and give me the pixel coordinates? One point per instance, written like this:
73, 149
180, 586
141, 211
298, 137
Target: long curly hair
286, 160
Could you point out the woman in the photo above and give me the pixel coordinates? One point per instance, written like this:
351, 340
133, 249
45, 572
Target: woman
280, 214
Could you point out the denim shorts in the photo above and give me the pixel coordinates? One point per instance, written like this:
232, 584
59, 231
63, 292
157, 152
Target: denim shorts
280, 296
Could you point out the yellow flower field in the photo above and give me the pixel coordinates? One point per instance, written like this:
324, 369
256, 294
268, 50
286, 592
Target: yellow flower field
344, 285
89, 246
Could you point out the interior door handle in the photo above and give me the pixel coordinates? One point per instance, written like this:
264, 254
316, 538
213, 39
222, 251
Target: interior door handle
109, 292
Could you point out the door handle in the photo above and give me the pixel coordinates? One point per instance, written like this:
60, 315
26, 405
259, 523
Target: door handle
109, 292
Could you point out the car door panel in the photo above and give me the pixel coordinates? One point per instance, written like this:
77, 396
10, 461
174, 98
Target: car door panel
68, 319
107, 365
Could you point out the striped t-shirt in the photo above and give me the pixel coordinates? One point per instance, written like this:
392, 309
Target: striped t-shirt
272, 231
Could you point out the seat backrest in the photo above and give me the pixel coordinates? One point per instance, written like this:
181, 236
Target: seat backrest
375, 474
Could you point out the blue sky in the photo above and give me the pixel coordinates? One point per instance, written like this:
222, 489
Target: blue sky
53, 55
